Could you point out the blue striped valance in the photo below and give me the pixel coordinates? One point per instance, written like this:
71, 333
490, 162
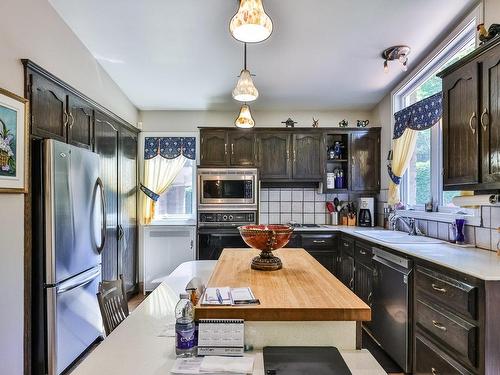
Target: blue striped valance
419, 116
170, 147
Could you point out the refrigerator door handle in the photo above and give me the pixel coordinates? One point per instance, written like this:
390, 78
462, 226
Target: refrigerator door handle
80, 281
103, 215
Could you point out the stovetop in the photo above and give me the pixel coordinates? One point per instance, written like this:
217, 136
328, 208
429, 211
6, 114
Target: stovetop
298, 225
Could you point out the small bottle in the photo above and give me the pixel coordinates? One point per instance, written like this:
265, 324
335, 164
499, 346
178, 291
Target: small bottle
185, 345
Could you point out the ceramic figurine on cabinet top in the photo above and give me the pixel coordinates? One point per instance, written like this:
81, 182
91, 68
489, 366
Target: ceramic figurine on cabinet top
362, 123
289, 123
343, 123
315, 123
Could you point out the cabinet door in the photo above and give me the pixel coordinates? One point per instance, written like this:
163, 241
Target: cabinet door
214, 150
242, 148
490, 117
127, 205
461, 127
325, 258
306, 157
49, 114
80, 122
347, 270
106, 145
365, 161
363, 285
274, 155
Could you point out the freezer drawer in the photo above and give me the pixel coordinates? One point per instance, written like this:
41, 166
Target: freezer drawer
73, 319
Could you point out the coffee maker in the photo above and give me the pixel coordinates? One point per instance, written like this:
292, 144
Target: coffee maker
366, 212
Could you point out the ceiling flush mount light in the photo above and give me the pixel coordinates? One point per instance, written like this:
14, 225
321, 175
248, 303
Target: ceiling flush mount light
245, 91
245, 119
251, 24
399, 53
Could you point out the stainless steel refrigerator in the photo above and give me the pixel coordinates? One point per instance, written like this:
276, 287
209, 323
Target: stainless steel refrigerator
69, 234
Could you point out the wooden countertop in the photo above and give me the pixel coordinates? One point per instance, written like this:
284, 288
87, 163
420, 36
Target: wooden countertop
303, 290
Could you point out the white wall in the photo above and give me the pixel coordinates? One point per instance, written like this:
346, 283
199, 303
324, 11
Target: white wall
491, 12
190, 120
32, 29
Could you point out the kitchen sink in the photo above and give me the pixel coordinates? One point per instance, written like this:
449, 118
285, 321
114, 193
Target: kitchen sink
397, 237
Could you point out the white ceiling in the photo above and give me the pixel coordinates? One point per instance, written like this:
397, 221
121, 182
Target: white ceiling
322, 55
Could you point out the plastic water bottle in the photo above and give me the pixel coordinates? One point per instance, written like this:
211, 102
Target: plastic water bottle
185, 341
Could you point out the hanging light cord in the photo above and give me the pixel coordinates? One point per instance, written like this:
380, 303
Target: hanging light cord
245, 56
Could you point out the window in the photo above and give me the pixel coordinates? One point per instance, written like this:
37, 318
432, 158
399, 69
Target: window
423, 181
178, 202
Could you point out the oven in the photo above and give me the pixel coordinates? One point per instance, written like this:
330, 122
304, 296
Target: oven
222, 189
219, 230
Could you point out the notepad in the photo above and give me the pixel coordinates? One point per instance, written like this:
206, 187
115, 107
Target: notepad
221, 337
228, 296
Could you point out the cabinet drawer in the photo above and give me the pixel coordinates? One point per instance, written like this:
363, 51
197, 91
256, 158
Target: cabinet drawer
454, 333
457, 295
429, 361
363, 253
318, 241
347, 245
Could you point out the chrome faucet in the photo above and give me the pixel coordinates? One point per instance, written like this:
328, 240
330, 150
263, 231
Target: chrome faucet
410, 223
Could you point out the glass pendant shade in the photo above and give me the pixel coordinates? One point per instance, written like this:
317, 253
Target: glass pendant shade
245, 119
245, 91
251, 24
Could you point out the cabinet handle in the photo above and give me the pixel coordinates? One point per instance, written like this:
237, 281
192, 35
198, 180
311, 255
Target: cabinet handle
370, 298
346, 244
232, 148
72, 120
434, 371
225, 148
470, 122
66, 118
438, 325
351, 282
438, 289
362, 252
319, 241
288, 155
485, 113
191, 245
294, 155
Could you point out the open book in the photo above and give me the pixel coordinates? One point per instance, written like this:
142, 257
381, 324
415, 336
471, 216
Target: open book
225, 296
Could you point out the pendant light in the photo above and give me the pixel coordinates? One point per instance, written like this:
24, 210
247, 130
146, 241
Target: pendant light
245, 119
245, 91
251, 24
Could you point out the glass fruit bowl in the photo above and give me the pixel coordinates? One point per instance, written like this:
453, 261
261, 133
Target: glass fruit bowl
266, 238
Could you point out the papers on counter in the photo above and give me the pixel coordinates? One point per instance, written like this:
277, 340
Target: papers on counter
228, 296
213, 365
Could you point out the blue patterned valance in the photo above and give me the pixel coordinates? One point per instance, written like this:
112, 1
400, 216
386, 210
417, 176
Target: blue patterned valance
170, 147
419, 116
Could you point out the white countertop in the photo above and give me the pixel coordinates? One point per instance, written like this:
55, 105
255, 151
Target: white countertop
134, 347
482, 264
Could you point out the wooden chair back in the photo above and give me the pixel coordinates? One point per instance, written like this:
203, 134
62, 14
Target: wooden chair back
113, 303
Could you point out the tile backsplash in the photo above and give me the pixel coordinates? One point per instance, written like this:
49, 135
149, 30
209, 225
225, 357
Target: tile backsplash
484, 236
302, 205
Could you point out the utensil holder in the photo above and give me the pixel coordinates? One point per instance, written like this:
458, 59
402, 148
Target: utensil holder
334, 218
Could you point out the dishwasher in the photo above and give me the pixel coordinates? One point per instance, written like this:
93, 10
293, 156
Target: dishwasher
390, 325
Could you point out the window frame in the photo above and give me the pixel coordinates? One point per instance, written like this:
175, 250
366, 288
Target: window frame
456, 40
192, 219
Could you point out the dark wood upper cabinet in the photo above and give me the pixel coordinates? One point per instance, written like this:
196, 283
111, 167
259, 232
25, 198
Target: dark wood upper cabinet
489, 117
80, 122
306, 159
48, 105
365, 160
242, 147
274, 155
214, 151
461, 127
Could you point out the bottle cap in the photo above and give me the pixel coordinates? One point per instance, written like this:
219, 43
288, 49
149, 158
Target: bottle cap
184, 296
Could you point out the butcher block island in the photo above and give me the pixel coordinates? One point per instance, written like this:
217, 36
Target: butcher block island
300, 304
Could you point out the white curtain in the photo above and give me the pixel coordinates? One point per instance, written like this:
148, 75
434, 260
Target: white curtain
159, 174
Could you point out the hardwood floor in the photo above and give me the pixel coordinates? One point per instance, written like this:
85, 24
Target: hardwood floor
135, 301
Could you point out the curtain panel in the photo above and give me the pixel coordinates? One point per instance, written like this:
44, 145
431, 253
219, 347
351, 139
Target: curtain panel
419, 116
164, 158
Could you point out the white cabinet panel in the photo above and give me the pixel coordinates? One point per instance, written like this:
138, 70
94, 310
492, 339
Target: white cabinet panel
165, 247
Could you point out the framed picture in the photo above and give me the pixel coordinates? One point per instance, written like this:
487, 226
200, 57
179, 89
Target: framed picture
13, 143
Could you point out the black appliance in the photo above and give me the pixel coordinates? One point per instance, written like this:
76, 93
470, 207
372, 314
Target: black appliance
219, 230
366, 212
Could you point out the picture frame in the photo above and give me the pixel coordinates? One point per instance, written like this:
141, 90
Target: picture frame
14, 111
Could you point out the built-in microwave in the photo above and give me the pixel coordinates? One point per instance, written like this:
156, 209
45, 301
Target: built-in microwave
227, 189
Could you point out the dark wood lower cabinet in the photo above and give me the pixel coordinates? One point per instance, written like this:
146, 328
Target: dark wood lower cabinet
346, 270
